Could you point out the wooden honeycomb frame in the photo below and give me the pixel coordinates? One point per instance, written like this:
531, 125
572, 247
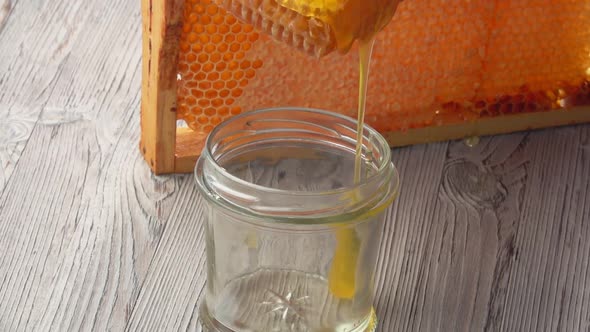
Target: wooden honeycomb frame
169, 149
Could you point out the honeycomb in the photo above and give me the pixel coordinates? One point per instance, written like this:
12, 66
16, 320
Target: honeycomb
315, 26
438, 62
212, 66
310, 35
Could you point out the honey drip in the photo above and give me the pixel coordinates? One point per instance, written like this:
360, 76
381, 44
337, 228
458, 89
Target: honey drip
342, 277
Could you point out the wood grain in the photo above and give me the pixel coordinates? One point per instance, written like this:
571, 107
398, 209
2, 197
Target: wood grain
501, 245
31, 60
161, 21
170, 296
81, 215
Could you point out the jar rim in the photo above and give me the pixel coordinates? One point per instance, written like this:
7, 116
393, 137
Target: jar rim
385, 167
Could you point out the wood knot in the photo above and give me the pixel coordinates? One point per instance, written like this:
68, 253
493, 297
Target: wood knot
13, 131
469, 183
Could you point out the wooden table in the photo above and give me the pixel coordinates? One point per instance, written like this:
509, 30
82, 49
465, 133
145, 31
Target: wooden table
494, 237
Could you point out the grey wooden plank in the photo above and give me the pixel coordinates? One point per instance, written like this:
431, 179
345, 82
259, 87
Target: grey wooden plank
420, 169
170, 295
506, 247
81, 215
36, 38
548, 285
448, 275
75, 253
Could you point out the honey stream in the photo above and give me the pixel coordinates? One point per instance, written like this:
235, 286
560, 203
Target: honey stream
342, 276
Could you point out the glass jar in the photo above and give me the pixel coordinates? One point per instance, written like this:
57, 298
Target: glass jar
292, 240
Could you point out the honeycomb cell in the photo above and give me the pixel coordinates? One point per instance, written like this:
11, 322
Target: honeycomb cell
253, 37
220, 66
212, 10
228, 56
226, 75
192, 37
203, 119
201, 75
233, 65
214, 76
257, 64
234, 47
191, 58
245, 64
216, 39
215, 57
197, 48
229, 38
191, 101
230, 19
198, 28
223, 111
210, 94
250, 73
218, 20
192, 18
222, 48
204, 102
236, 93
203, 38
203, 57
208, 67
197, 93
223, 29
217, 103
194, 67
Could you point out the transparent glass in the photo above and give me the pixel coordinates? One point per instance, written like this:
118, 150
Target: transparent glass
292, 241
